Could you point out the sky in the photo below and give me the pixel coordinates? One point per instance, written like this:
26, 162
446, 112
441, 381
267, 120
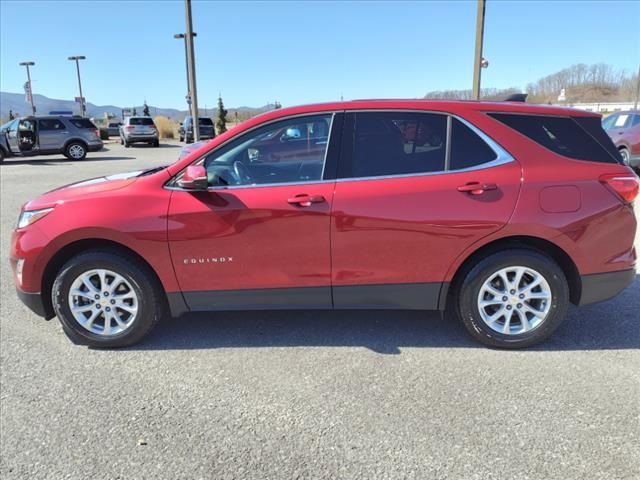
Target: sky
297, 52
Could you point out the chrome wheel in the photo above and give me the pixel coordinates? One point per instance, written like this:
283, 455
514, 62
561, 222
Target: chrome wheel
514, 300
76, 151
103, 302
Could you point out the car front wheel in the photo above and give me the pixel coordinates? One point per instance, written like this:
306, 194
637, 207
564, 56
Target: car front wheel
513, 299
103, 299
624, 153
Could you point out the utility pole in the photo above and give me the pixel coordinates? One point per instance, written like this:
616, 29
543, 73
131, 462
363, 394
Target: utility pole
635, 107
27, 65
191, 68
478, 60
83, 108
182, 36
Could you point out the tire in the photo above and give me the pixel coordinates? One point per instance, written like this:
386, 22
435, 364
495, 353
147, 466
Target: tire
520, 333
156, 144
75, 151
126, 144
121, 141
625, 155
181, 139
138, 287
1, 155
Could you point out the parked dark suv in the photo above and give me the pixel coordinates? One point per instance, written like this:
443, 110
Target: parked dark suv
207, 130
29, 136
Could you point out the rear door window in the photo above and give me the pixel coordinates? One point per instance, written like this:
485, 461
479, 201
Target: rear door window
395, 143
50, 124
563, 135
467, 148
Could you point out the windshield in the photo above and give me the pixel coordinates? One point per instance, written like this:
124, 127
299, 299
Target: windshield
141, 121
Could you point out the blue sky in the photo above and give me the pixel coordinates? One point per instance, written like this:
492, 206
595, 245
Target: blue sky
301, 52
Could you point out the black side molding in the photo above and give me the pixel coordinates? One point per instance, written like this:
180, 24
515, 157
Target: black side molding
603, 286
35, 303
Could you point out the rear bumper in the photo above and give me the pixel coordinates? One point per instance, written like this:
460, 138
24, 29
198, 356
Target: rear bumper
141, 138
95, 147
34, 302
603, 286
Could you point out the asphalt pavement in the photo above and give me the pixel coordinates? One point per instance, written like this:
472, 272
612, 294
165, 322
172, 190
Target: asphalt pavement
285, 395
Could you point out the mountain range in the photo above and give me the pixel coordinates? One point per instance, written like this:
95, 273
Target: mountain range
16, 102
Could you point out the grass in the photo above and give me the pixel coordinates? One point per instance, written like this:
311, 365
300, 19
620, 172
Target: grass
167, 128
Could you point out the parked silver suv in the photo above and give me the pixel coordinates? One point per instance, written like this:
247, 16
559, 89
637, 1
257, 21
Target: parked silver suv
139, 130
48, 135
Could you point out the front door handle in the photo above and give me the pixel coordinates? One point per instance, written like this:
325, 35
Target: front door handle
304, 200
476, 188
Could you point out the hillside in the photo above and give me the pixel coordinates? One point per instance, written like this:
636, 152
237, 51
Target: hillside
16, 103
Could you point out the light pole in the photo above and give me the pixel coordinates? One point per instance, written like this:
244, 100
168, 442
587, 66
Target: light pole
30, 93
82, 105
191, 68
478, 60
182, 36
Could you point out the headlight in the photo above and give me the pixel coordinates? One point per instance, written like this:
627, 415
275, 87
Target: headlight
28, 217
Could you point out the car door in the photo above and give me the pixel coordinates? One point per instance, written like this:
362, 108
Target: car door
259, 237
414, 190
618, 127
52, 134
12, 136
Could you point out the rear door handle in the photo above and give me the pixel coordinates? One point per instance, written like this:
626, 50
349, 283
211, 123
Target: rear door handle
304, 200
477, 188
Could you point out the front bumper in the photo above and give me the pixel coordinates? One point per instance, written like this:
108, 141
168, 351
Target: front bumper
35, 303
603, 286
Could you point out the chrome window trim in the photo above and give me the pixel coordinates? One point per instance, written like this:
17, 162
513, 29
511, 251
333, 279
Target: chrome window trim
502, 156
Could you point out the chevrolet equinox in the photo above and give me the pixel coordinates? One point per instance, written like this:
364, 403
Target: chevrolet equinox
502, 212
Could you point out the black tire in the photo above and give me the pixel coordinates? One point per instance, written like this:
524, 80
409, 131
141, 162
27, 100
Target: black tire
126, 144
151, 304
156, 144
121, 141
1, 155
181, 139
469, 290
75, 151
624, 153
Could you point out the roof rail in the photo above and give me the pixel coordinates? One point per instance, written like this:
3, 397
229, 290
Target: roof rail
517, 97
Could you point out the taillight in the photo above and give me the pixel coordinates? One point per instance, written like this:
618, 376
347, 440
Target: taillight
130, 127
96, 132
625, 186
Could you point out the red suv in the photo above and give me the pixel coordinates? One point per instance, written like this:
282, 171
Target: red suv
503, 212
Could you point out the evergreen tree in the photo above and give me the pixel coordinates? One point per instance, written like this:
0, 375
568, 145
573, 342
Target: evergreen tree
277, 105
221, 119
135, 113
145, 110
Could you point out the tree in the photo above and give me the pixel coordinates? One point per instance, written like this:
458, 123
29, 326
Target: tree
135, 113
11, 117
277, 105
221, 118
145, 110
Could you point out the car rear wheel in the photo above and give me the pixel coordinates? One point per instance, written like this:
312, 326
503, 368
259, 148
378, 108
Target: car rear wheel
75, 151
513, 299
103, 299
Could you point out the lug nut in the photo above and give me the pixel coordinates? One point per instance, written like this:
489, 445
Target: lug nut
98, 305
108, 309
504, 299
513, 292
521, 296
113, 302
106, 294
97, 297
509, 307
519, 305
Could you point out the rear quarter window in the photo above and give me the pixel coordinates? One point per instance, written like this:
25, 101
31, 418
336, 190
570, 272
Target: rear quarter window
578, 138
82, 123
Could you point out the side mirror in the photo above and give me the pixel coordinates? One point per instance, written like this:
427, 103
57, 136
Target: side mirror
194, 178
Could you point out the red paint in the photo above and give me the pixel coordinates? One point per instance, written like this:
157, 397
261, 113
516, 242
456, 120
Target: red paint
345, 232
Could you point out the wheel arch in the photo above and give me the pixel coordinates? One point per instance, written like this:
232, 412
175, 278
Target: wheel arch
64, 254
75, 140
537, 244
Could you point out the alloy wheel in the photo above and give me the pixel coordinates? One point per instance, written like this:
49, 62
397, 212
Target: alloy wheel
103, 302
514, 300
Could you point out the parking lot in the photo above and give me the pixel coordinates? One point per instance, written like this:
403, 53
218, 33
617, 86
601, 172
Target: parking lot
308, 394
